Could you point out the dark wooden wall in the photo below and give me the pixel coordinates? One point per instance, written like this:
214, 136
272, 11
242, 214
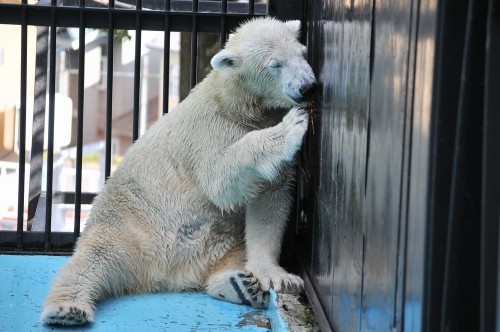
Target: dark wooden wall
397, 225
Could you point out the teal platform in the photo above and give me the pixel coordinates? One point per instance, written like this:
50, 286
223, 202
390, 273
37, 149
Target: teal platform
25, 281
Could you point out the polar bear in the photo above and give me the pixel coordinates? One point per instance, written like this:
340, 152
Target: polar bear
200, 201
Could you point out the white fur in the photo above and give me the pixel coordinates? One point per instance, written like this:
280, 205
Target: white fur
201, 200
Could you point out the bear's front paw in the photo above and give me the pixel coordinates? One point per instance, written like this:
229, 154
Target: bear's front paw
67, 314
277, 278
295, 126
238, 287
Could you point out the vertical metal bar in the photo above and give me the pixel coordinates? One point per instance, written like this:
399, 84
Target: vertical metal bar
463, 241
109, 90
137, 72
79, 129
490, 193
223, 23
22, 129
286, 10
50, 133
251, 7
194, 43
166, 58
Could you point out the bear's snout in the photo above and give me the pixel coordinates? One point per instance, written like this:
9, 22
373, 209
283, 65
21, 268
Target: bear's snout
299, 82
308, 89
305, 91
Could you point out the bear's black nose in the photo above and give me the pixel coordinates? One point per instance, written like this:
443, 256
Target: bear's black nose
307, 90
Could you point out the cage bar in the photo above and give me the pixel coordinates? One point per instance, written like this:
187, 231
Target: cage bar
166, 58
223, 35
251, 7
137, 73
50, 128
109, 89
22, 130
194, 44
79, 130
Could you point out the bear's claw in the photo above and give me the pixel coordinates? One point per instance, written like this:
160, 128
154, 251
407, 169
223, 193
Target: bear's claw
65, 315
276, 278
295, 126
244, 288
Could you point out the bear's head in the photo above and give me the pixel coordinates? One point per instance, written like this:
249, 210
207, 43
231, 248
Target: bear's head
265, 56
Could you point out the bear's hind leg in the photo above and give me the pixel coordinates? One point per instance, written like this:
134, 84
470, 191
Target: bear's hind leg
72, 296
229, 281
92, 274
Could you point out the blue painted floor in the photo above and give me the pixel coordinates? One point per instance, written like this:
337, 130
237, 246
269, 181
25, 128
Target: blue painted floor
25, 281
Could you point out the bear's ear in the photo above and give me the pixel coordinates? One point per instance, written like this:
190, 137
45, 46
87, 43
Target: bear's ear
294, 27
226, 61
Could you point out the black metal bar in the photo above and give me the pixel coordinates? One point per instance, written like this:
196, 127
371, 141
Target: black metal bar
176, 5
223, 35
194, 44
79, 129
22, 131
251, 7
462, 260
137, 74
448, 57
286, 10
34, 242
490, 191
166, 59
50, 128
64, 197
109, 91
98, 18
